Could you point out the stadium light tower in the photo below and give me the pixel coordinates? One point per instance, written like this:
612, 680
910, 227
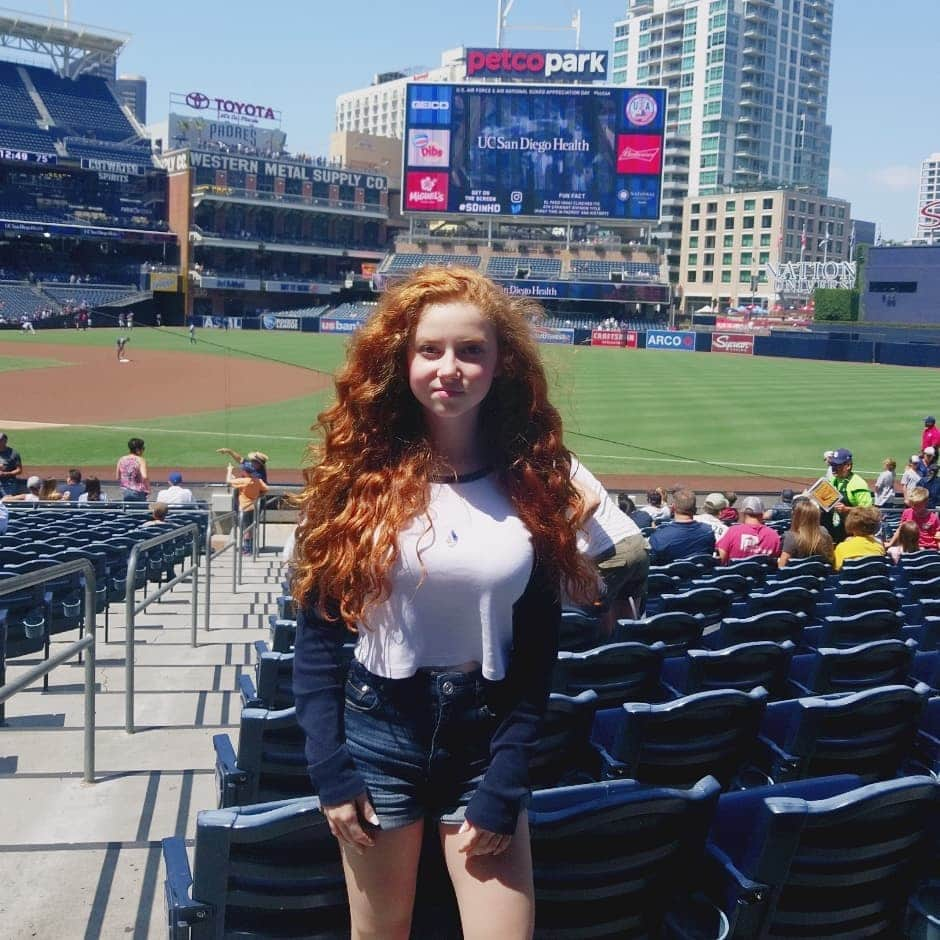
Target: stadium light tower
503, 8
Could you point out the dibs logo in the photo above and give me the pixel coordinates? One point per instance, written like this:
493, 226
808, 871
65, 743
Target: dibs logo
428, 148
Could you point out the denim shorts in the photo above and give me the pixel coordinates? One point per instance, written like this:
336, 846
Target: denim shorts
422, 744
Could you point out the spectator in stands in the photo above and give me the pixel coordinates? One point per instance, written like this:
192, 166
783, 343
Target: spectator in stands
175, 494
911, 476
729, 515
93, 493
862, 524
685, 536
74, 487
437, 387
247, 483
750, 537
33, 486
157, 515
11, 466
49, 491
806, 537
852, 489
884, 485
783, 510
713, 505
654, 507
131, 473
927, 522
640, 517
906, 539
931, 434
258, 460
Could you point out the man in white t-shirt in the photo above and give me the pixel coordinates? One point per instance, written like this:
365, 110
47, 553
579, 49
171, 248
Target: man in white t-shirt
174, 494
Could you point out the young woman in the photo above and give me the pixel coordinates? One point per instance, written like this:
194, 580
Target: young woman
438, 522
131, 473
93, 492
806, 536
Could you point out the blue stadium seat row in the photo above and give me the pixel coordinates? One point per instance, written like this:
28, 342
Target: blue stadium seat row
16, 107
406, 261
508, 265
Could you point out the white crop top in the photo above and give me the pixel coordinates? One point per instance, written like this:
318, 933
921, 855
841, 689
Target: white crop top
477, 559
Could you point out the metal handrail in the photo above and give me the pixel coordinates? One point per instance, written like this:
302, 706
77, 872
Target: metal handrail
131, 609
32, 578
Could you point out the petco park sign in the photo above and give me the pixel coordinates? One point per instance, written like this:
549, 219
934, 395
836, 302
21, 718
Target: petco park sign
803, 277
544, 64
224, 109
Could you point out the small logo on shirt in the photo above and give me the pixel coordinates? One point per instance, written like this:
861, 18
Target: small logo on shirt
451, 539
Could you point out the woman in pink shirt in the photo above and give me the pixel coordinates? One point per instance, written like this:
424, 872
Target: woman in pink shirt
131, 473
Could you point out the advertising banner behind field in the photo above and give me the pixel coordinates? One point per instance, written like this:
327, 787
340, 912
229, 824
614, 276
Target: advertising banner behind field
333, 325
164, 281
616, 338
554, 336
632, 340
733, 343
667, 339
563, 151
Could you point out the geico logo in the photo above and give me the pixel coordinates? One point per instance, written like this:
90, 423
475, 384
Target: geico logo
430, 105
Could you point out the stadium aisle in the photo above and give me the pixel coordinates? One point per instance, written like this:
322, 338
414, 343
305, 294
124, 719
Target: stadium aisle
83, 861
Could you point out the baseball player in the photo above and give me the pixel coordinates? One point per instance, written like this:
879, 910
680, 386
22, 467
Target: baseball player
122, 342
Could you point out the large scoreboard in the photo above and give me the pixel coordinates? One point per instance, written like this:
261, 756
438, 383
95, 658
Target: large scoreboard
534, 151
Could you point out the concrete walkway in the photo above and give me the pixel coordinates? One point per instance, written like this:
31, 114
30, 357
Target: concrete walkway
81, 861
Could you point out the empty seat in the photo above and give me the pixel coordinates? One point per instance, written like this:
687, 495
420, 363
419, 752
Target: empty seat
271, 762
271, 870
710, 602
867, 733
824, 858
741, 667
563, 753
795, 599
616, 672
676, 743
579, 631
772, 625
865, 627
676, 631
882, 662
847, 604
610, 859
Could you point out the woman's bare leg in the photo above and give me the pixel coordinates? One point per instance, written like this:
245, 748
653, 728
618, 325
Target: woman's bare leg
494, 892
381, 883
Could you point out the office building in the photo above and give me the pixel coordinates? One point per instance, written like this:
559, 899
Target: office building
928, 200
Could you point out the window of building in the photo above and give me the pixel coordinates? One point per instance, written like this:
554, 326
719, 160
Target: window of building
765, 240
729, 205
707, 180
748, 221
768, 203
695, 208
709, 144
708, 260
747, 257
749, 205
727, 259
766, 221
693, 241
691, 277
711, 207
688, 46
685, 97
725, 277
763, 257
693, 225
744, 276
728, 241
711, 225
708, 277
692, 261
708, 160
791, 203
709, 241
747, 241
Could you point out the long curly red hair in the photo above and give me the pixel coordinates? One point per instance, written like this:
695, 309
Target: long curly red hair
369, 477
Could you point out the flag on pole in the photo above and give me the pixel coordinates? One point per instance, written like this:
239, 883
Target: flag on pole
852, 242
803, 243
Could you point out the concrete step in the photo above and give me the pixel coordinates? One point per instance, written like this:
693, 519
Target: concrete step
56, 752
65, 708
166, 650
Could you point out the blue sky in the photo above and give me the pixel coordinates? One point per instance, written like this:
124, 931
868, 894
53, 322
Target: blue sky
297, 55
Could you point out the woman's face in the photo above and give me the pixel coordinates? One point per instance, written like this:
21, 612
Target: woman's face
452, 359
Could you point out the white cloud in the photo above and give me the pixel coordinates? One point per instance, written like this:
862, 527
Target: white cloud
896, 177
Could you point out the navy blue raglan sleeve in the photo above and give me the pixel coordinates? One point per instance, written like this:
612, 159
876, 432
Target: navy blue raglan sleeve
319, 679
523, 698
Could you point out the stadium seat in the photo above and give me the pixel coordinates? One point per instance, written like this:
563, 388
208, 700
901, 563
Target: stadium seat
273, 680
872, 582
798, 567
742, 667
823, 858
616, 672
846, 605
756, 569
610, 859
283, 633
563, 754
867, 733
855, 568
271, 870
772, 625
808, 582
738, 585
676, 743
676, 631
270, 761
928, 589
711, 603
579, 631
795, 599
841, 632
882, 662
926, 757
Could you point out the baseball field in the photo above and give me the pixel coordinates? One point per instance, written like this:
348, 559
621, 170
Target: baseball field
633, 415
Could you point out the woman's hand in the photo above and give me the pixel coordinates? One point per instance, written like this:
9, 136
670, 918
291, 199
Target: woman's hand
482, 841
346, 819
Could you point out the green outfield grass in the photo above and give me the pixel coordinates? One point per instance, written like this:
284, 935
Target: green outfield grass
654, 412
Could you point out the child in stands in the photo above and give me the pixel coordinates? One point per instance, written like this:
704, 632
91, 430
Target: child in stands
927, 521
906, 540
862, 524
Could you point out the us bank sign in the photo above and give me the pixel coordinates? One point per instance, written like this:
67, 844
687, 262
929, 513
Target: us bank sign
803, 277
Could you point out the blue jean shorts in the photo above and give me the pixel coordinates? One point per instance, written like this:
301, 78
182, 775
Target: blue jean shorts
422, 744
